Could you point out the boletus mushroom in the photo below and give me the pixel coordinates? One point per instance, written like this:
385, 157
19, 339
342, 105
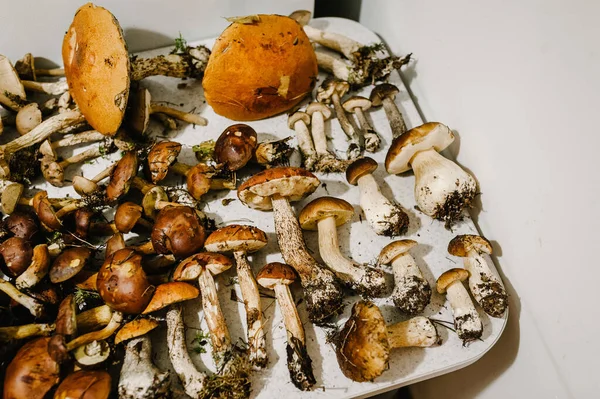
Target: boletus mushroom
235, 146
327, 161
385, 94
299, 121
85, 384
358, 105
363, 346
178, 230
274, 189
140, 378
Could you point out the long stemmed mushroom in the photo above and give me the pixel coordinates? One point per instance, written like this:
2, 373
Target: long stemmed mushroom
85, 186
384, 94
325, 214
358, 105
278, 276
442, 188
485, 285
384, 216
299, 122
326, 160
54, 172
274, 189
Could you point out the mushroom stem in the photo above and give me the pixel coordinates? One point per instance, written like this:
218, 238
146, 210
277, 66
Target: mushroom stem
486, 287
50, 72
140, 379
334, 65
106, 332
37, 270
142, 185
94, 318
305, 144
291, 318
412, 291
71, 207
272, 153
190, 64
52, 88
321, 290
363, 279
394, 116
385, 217
192, 379
256, 336
83, 156
177, 114
219, 333
466, 319
355, 147
416, 332
25, 331
35, 307
79, 138
327, 162
372, 139
334, 41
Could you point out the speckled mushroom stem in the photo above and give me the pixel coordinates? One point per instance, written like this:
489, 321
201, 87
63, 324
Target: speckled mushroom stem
412, 292
140, 379
257, 345
416, 332
180, 115
35, 308
466, 319
372, 139
305, 144
52, 88
322, 291
394, 116
190, 64
355, 147
79, 138
485, 285
25, 331
327, 162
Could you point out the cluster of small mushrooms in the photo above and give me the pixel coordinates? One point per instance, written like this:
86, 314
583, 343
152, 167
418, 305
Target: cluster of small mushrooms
71, 315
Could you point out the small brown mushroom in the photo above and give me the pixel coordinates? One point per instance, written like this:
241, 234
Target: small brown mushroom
22, 224
169, 293
358, 105
85, 186
122, 176
85, 384
54, 172
178, 230
128, 215
384, 94
135, 328
327, 161
28, 118
113, 244
235, 146
17, 254
160, 157
203, 177
69, 263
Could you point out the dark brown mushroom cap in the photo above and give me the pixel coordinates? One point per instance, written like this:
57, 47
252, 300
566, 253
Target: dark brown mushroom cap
122, 176
17, 254
292, 183
235, 146
69, 263
191, 267
198, 180
236, 237
135, 328
22, 224
66, 319
85, 384
32, 372
461, 245
324, 207
127, 215
362, 346
113, 244
122, 283
83, 220
394, 249
449, 277
178, 230
169, 293
329, 87
97, 67
160, 157
382, 91
276, 273
359, 168
44, 211
138, 110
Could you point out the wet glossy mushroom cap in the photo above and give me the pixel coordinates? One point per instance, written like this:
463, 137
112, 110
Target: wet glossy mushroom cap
169, 293
316, 106
404, 147
298, 116
462, 244
359, 168
449, 277
291, 183
97, 67
382, 91
356, 102
235, 146
17, 254
122, 176
191, 268
362, 346
83, 220
45, 212
113, 244
160, 157
236, 237
178, 230
85, 384
324, 207
127, 215
151, 199
66, 319
138, 110
394, 249
276, 273
22, 224
69, 263
135, 328
12, 92
198, 180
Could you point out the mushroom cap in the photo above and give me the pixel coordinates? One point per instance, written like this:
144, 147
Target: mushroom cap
178, 230
362, 346
316, 106
169, 293
113, 244
292, 183
69, 263
325, 207
10, 197
359, 168
191, 267
97, 67
356, 102
11, 84
382, 91
127, 215
22, 224
151, 199
462, 244
66, 319
236, 237
92, 355
135, 328
235, 146
85, 384
198, 180
27, 118
122, 176
301, 16
83, 220
449, 277
45, 212
138, 110
298, 116
84, 186
17, 254
394, 249
330, 86
160, 157
276, 273
404, 147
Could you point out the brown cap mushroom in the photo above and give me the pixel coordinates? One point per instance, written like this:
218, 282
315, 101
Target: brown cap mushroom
178, 230
235, 146
129, 214
17, 254
169, 293
85, 384
384, 94
122, 176
22, 224
135, 328
299, 121
358, 105
160, 157
69, 263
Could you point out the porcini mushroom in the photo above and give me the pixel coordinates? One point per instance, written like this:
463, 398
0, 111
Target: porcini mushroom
412, 291
485, 285
384, 94
274, 189
178, 230
16, 253
85, 384
326, 160
70, 262
235, 146
358, 105
384, 216
241, 240
442, 188
278, 276
299, 121
135, 328
122, 176
37, 269
363, 346
466, 319
325, 214
169, 293
27, 118
140, 378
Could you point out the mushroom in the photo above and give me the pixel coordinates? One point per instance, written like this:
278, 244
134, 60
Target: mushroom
241, 240
266, 154
17, 254
363, 346
330, 91
442, 188
299, 121
79, 138
85, 186
122, 176
37, 269
141, 107
85, 384
113, 244
26, 69
485, 285
54, 171
25, 331
385, 217
169, 293
325, 214
27, 118
12, 93
53, 88
278, 276
69, 263
35, 307
235, 146
274, 189
160, 157
128, 215
10, 194
326, 161
466, 319
135, 328
412, 292
178, 230
92, 355
22, 224
384, 94
357, 105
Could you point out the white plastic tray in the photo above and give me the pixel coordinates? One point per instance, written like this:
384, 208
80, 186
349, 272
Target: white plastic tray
407, 366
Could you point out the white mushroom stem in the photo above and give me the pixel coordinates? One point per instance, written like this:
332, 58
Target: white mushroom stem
394, 116
466, 319
385, 217
485, 285
37, 270
25, 331
79, 138
256, 336
327, 162
83, 156
416, 332
334, 65
355, 147
35, 307
52, 88
305, 144
177, 114
372, 139
50, 72
367, 281
411, 290
219, 333
334, 41
191, 378
291, 319
140, 379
